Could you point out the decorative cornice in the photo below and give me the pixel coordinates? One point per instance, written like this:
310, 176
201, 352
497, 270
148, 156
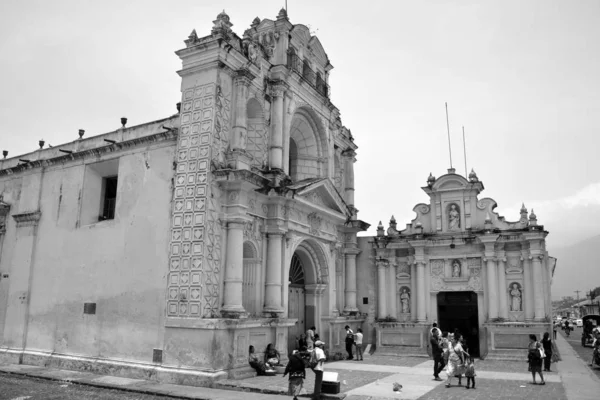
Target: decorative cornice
27, 218
96, 152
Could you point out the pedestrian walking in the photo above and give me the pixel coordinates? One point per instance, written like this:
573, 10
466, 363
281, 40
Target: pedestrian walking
349, 341
456, 360
318, 369
296, 369
359, 342
547, 345
470, 372
534, 357
438, 355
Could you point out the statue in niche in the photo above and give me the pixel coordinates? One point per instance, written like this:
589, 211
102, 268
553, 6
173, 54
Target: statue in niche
453, 218
456, 269
405, 301
516, 300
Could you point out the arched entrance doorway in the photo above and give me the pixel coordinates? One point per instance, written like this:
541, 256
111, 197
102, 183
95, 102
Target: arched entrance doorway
307, 280
458, 310
296, 301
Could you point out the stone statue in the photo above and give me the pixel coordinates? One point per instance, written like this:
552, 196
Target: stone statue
405, 300
515, 295
456, 269
453, 218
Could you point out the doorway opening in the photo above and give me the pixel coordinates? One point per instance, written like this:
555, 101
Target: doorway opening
296, 302
459, 311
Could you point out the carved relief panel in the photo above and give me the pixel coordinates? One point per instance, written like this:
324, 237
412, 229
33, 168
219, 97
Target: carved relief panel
195, 245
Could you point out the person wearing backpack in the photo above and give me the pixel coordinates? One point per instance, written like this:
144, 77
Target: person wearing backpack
318, 360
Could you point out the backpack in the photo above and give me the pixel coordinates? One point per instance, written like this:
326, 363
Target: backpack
313, 362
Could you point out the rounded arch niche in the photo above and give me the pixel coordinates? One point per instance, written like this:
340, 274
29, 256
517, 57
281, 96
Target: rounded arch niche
308, 146
314, 262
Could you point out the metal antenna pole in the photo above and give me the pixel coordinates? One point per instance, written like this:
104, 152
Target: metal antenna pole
448, 128
465, 151
577, 291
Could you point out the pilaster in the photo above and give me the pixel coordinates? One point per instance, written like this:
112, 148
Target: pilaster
382, 266
277, 92
232, 287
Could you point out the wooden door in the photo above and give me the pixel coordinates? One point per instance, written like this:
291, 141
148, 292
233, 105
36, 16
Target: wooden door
296, 309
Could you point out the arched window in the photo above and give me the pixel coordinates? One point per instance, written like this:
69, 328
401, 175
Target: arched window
296, 271
250, 292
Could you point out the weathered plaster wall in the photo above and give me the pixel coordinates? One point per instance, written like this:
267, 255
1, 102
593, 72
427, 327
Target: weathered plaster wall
118, 264
367, 287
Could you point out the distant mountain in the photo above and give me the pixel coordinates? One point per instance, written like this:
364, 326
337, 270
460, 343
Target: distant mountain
577, 268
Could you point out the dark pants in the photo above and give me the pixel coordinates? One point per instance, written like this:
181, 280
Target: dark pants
471, 380
438, 365
547, 361
318, 381
349, 350
359, 352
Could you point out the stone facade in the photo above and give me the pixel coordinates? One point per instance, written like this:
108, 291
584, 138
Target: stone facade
233, 222
461, 264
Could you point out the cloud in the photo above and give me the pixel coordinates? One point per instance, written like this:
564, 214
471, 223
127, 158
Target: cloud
569, 219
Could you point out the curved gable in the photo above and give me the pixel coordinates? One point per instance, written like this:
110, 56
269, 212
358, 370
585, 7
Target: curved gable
318, 51
449, 182
301, 33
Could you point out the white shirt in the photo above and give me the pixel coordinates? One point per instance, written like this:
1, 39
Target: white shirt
320, 354
359, 337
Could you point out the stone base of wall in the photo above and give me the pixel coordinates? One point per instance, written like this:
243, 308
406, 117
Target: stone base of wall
101, 366
402, 338
509, 340
337, 334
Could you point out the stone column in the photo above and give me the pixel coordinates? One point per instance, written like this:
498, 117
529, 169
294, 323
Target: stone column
538, 290
413, 291
421, 309
381, 298
273, 275
502, 289
234, 269
492, 288
350, 289
528, 288
349, 156
277, 110
241, 81
392, 288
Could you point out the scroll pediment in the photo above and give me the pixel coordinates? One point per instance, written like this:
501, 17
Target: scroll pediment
321, 192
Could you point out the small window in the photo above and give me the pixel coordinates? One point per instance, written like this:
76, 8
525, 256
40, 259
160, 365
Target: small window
109, 199
99, 197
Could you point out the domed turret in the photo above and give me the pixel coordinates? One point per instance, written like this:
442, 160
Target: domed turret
380, 230
473, 176
431, 179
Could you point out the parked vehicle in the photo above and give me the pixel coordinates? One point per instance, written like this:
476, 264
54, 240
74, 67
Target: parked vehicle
579, 322
590, 322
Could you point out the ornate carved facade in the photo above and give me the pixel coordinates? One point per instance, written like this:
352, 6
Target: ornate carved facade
458, 252
247, 174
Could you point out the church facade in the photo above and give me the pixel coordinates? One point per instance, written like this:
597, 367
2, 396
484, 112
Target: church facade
460, 264
164, 250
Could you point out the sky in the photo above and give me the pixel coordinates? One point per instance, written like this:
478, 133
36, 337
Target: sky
520, 76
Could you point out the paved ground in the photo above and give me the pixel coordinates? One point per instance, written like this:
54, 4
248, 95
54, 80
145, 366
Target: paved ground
371, 379
25, 388
585, 353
